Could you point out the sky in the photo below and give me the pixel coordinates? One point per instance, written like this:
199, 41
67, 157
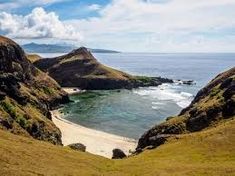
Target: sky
123, 25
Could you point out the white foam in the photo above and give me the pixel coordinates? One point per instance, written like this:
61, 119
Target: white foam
155, 107
166, 92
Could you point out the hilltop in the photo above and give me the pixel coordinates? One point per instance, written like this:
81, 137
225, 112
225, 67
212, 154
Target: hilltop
80, 68
27, 95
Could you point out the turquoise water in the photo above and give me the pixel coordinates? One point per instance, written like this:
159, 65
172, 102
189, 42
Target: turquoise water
131, 112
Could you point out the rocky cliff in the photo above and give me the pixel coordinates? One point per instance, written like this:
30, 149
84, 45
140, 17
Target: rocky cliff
80, 69
213, 104
27, 95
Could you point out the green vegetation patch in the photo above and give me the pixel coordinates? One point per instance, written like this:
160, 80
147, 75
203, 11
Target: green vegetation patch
12, 111
143, 79
48, 90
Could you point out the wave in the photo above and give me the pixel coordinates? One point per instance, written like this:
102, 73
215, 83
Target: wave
166, 92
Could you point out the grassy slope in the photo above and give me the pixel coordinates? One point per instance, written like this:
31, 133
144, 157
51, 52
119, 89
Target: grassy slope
209, 152
33, 57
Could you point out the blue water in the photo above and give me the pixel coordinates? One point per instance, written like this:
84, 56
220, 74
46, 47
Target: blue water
200, 67
131, 112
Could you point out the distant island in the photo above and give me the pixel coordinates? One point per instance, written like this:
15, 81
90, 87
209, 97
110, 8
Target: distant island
56, 48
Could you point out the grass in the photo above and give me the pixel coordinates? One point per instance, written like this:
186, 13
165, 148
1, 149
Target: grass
210, 152
33, 57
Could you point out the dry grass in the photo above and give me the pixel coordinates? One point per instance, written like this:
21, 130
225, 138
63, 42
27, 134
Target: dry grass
210, 152
33, 57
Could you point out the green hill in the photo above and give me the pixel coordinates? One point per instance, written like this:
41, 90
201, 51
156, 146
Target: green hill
80, 68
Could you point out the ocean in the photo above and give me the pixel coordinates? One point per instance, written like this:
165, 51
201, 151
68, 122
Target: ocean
130, 113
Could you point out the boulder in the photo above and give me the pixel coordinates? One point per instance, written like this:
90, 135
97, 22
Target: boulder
78, 147
118, 154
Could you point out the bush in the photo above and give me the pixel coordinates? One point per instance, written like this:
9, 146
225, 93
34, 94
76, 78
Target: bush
22, 121
48, 90
9, 108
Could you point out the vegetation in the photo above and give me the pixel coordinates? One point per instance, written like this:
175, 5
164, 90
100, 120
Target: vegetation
209, 152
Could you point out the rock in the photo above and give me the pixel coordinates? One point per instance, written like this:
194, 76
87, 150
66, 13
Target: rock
2, 95
118, 154
6, 123
78, 146
229, 92
152, 141
189, 82
226, 83
229, 108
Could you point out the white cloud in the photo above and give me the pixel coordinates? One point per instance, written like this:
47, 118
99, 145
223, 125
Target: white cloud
159, 24
94, 7
37, 24
136, 25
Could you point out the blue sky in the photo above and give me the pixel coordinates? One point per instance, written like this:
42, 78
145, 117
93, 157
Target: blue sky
67, 9
126, 25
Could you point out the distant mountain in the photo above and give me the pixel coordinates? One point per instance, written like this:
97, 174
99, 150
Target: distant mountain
55, 48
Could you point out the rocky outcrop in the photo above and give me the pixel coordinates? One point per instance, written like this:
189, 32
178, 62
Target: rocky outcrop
212, 104
27, 95
118, 154
80, 69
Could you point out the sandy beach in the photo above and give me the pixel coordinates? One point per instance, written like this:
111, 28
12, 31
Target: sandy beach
96, 142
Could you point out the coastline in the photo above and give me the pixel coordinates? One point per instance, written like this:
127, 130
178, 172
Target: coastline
96, 142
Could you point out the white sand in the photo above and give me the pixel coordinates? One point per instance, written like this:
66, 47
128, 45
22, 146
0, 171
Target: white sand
96, 142
72, 90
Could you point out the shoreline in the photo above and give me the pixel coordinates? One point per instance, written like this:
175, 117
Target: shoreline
96, 142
